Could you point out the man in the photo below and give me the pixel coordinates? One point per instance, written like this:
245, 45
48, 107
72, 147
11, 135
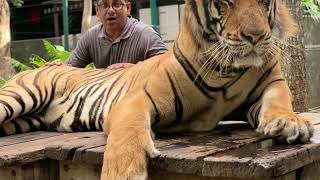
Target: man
119, 39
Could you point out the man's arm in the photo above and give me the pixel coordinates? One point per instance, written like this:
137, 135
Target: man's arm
152, 42
80, 56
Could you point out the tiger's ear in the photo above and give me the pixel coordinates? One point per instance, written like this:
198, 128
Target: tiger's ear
285, 25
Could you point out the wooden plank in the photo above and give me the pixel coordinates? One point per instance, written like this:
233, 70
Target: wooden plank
46, 170
42, 170
79, 171
32, 151
228, 151
73, 149
289, 176
175, 176
310, 172
263, 159
93, 155
185, 154
190, 146
27, 137
8, 173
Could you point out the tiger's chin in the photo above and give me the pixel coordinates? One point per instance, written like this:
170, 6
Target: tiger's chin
250, 60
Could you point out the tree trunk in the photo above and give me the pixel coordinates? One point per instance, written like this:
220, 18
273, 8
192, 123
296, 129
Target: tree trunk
86, 16
5, 68
294, 66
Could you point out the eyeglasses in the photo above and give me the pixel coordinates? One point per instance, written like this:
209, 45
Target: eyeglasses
115, 6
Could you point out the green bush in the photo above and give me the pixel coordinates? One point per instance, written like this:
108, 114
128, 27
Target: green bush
56, 53
312, 8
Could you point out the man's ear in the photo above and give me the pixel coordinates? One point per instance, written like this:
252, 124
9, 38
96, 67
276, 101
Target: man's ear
97, 9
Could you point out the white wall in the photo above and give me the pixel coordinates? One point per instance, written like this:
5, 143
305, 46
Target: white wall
169, 18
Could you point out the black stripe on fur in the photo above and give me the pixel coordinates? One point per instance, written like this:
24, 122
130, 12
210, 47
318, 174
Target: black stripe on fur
177, 101
157, 114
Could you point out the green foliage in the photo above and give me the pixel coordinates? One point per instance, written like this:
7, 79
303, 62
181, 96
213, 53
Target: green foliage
37, 61
18, 66
2, 82
312, 8
90, 66
17, 3
56, 52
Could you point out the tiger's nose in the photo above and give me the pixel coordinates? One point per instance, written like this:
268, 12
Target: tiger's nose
252, 37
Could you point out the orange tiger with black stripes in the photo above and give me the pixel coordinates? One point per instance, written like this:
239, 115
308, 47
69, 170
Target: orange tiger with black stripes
225, 62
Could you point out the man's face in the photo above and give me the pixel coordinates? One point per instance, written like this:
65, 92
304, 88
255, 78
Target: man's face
113, 13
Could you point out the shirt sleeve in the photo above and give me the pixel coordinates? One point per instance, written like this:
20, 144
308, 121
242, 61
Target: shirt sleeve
80, 56
152, 43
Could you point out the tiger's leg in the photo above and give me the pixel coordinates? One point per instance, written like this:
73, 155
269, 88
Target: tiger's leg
22, 125
276, 117
129, 141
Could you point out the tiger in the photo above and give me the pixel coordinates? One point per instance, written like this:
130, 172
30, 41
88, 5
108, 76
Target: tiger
225, 63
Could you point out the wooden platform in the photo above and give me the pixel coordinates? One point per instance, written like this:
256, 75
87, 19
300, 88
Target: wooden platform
231, 152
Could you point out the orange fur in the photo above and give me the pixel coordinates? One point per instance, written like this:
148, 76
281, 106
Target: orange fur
218, 67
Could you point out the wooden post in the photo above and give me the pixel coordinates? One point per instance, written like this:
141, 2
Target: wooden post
294, 62
6, 70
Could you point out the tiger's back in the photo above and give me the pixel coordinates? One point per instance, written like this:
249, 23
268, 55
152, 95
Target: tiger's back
66, 99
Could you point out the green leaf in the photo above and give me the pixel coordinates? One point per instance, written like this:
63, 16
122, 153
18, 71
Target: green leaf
56, 52
51, 50
90, 66
312, 8
63, 56
17, 3
37, 61
59, 48
19, 66
2, 82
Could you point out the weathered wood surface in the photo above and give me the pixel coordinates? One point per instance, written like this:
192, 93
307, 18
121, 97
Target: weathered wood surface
25, 148
229, 151
40, 170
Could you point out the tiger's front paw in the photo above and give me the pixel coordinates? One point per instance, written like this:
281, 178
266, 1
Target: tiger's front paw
286, 125
127, 161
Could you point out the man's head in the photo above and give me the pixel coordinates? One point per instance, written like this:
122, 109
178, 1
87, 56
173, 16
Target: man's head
113, 14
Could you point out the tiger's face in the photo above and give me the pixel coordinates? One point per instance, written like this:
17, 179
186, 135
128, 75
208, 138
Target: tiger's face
240, 33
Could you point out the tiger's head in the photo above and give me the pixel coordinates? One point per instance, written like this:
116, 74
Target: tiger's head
237, 33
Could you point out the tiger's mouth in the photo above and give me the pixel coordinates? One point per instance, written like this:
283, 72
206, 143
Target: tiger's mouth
254, 54
239, 54
250, 59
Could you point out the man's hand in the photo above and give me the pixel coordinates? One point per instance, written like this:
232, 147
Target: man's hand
54, 63
120, 65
